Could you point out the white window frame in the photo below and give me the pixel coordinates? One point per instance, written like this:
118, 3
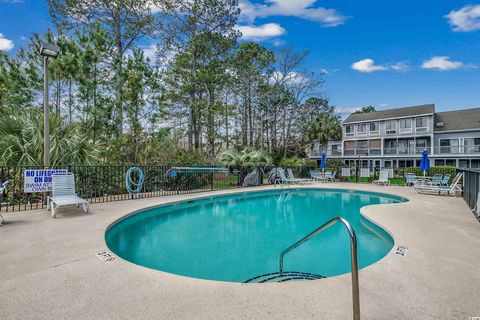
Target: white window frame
421, 129
391, 131
374, 132
361, 133
352, 132
449, 146
405, 130
474, 146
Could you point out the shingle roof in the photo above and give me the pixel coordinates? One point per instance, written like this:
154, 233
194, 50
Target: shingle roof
458, 120
392, 113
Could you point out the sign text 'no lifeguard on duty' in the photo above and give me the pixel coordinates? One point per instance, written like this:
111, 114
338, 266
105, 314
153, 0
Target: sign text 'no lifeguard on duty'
40, 180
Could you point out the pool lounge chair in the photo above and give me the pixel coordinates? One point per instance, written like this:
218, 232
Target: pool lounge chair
298, 180
410, 179
437, 179
282, 178
476, 209
317, 176
3, 186
330, 176
382, 179
454, 189
63, 194
445, 180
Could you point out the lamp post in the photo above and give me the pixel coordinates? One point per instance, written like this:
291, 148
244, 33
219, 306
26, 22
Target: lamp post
47, 51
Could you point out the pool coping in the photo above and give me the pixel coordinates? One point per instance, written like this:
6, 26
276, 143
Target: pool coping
447, 293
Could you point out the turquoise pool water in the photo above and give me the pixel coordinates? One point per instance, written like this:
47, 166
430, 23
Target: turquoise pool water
237, 237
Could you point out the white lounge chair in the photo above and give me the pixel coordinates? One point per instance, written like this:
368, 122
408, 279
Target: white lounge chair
63, 193
282, 178
454, 188
298, 180
382, 179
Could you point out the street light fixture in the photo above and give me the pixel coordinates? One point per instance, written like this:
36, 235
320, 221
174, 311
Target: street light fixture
47, 51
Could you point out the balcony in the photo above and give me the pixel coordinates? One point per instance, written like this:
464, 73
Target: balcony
452, 150
404, 151
329, 153
363, 152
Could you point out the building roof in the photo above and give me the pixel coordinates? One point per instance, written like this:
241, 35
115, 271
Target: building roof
392, 113
457, 120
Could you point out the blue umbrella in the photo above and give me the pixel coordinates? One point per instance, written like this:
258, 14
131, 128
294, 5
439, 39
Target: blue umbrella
424, 163
323, 164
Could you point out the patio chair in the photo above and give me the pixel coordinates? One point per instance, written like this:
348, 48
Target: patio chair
454, 189
476, 209
330, 176
317, 175
445, 180
298, 180
437, 179
410, 179
382, 179
282, 178
63, 193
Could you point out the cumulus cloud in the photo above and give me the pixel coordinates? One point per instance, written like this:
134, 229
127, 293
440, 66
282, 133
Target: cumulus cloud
401, 66
367, 66
466, 19
304, 9
262, 32
442, 63
5, 44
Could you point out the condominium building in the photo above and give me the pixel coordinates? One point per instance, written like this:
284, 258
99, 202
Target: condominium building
397, 137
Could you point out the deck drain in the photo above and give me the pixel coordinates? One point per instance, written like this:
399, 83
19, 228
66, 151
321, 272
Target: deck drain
401, 251
105, 256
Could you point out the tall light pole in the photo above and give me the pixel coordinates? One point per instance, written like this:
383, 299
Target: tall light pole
47, 51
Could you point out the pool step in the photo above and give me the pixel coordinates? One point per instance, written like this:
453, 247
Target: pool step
286, 276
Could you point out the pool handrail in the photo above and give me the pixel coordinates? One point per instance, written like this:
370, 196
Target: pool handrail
353, 254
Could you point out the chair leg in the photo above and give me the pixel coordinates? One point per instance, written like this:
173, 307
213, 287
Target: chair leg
85, 207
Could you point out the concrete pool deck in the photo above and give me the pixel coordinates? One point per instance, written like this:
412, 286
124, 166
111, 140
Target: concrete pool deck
48, 270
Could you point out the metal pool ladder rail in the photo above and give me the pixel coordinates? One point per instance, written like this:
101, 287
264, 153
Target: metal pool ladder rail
353, 253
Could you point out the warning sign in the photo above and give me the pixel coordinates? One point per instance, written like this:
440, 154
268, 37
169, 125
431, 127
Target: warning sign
40, 180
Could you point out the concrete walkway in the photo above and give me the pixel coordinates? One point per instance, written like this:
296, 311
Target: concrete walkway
48, 270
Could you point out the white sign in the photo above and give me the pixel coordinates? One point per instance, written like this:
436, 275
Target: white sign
39, 180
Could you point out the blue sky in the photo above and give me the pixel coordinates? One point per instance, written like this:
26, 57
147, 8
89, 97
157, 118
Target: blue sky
382, 53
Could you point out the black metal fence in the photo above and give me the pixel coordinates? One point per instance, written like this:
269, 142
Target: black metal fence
471, 187
107, 183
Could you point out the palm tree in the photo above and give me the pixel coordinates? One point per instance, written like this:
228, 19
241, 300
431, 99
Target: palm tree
21, 141
323, 128
245, 158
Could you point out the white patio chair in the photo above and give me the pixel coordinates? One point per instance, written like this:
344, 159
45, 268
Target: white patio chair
282, 177
63, 193
298, 180
382, 179
454, 189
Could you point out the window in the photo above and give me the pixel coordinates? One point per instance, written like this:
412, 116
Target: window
472, 145
406, 125
421, 124
449, 145
349, 130
361, 128
391, 127
374, 127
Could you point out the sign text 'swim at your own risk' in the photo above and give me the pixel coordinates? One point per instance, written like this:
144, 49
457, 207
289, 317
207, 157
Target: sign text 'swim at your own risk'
39, 180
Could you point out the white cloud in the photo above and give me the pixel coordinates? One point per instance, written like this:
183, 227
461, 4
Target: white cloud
367, 66
441, 63
150, 51
290, 79
262, 32
5, 44
304, 9
401, 66
466, 19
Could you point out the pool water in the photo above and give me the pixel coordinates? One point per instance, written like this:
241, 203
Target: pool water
237, 237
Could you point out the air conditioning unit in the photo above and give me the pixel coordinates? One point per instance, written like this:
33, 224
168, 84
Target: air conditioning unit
440, 124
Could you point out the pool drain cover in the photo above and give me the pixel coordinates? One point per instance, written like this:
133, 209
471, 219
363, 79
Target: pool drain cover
285, 276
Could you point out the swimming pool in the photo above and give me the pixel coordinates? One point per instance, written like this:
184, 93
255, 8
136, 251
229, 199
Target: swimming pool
237, 237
